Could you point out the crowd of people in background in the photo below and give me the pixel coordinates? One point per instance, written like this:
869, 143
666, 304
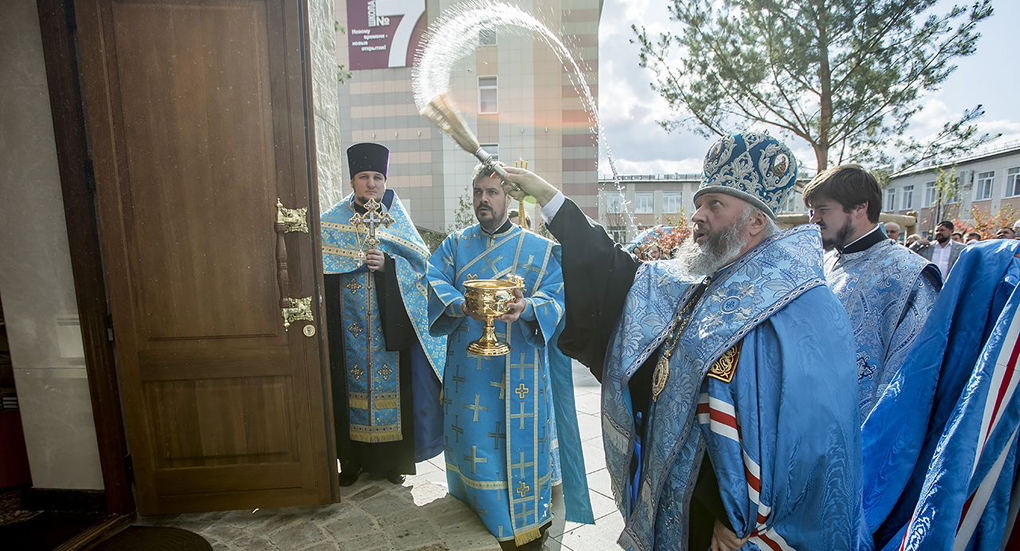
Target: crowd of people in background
947, 242
942, 248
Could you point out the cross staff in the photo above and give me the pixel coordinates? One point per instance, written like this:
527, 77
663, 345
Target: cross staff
371, 220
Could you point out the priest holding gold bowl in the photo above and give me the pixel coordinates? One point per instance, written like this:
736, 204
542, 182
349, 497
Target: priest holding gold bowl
497, 291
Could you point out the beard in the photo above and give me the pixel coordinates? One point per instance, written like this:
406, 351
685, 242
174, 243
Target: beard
840, 240
942, 240
719, 249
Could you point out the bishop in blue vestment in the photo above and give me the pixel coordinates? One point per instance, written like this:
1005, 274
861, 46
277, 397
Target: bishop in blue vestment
386, 368
729, 386
503, 413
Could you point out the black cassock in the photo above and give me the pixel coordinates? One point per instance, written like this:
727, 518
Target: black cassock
597, 275
384, 457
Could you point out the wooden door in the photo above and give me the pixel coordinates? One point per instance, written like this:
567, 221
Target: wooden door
198, 119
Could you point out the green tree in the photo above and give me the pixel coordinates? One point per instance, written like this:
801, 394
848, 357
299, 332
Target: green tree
947, 192
843, 75
464, 216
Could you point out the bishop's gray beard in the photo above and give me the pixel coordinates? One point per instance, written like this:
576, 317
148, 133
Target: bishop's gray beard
720, 249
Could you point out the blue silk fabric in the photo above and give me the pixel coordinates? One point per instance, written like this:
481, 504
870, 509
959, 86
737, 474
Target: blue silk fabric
373, 390
500, 429
940, 444
888, 292
783, 434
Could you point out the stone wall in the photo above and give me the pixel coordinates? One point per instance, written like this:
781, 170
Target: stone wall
323, 30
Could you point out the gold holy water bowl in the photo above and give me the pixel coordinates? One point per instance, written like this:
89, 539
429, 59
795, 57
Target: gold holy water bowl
489, 298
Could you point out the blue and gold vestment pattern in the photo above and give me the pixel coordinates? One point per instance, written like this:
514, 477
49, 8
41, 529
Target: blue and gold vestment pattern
499, 433
373, 389
888, 292
783, 434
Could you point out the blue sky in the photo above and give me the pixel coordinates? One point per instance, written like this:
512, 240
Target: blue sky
990, 77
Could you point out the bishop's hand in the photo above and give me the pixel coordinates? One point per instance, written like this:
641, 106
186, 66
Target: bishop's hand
524, 182
723, 539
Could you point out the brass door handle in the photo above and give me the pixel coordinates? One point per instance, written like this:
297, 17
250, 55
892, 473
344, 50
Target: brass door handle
293, 220
300, 309
292, 309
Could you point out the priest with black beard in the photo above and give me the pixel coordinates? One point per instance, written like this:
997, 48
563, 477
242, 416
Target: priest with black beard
727, 337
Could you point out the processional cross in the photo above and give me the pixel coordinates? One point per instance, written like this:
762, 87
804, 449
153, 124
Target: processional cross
371, 220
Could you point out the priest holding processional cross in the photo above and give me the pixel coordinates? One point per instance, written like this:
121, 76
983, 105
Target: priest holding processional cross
386, 369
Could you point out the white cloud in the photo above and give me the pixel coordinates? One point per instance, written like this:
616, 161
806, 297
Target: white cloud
928, 122
629, 108
690, 165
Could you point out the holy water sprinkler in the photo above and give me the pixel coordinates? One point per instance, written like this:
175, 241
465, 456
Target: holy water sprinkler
442, 113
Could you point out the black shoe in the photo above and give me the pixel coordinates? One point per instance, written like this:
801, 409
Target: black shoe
348, 479
395, 478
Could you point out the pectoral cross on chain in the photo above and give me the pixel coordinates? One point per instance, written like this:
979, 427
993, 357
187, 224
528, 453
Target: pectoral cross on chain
371, 220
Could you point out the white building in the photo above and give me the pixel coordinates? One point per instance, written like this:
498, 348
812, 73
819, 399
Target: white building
652, 199
987, 181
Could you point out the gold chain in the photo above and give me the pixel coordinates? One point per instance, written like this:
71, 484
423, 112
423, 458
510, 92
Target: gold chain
661, 374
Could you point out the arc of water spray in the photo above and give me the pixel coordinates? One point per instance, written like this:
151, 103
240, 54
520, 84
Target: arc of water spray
452, 37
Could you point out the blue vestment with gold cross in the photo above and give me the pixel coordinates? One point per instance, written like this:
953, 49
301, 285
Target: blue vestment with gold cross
500, 432
373, 387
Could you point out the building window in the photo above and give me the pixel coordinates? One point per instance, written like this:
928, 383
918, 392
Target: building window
929, 194
908, 198
789, 204
487, 95
614, 202
983, 187
672, 202
492, 149
487, 37
618, 233
1013, 181
890, 199
644, 202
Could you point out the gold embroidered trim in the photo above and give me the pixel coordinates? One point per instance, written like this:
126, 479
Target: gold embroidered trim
527, 536
726, 366
360, 433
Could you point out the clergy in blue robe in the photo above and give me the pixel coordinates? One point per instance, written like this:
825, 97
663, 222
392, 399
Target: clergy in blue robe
386, 368
499, 433
729, 387
887, 290
940, 444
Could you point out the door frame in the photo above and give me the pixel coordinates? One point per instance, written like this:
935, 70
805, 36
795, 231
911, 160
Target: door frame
57, 24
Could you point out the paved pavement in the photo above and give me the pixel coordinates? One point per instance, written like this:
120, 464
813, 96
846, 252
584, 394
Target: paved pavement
418, 516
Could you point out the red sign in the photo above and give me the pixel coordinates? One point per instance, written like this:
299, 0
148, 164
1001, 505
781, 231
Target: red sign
384, 33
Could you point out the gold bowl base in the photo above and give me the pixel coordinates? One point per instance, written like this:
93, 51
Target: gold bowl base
483, 348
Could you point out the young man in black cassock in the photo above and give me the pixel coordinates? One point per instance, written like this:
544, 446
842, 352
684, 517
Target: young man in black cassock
386, 369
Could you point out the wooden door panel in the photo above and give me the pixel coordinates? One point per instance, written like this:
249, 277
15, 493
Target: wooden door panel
197, 434
208, 103
228, 479
196, 111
